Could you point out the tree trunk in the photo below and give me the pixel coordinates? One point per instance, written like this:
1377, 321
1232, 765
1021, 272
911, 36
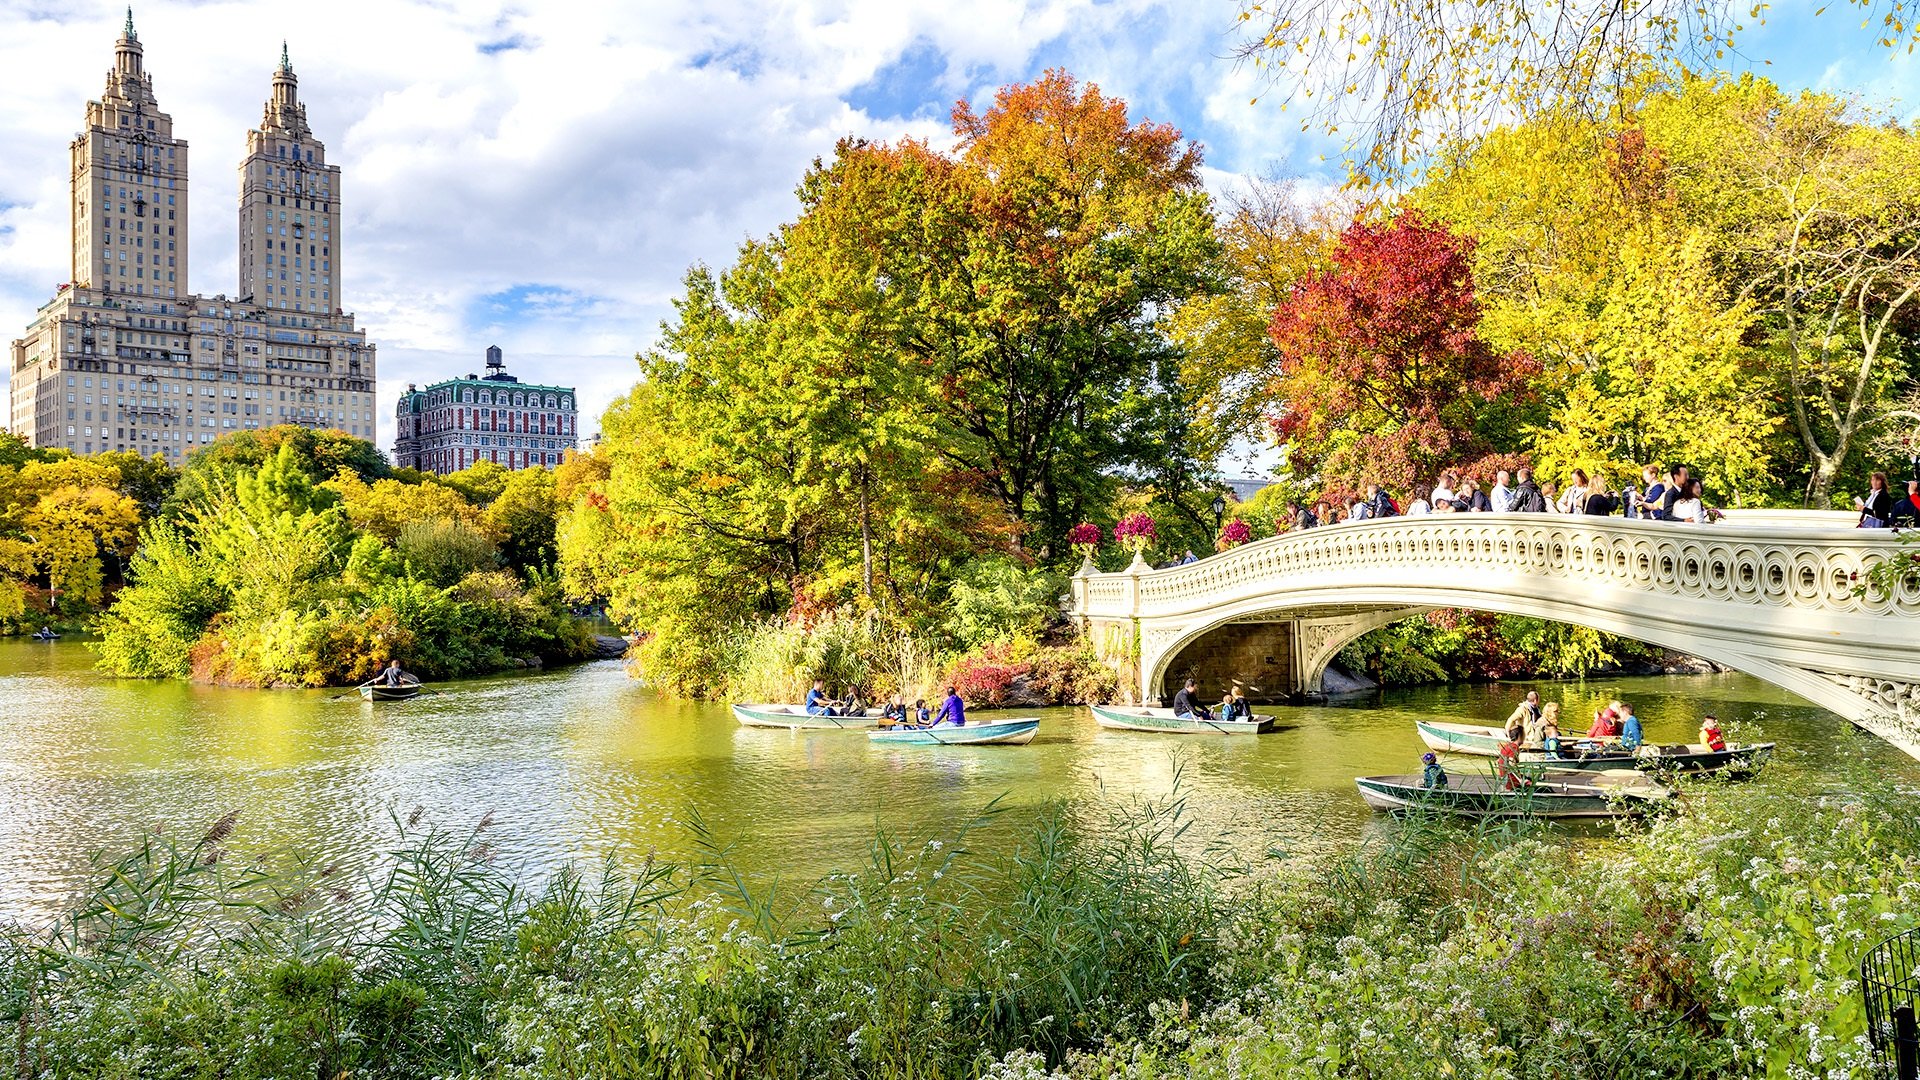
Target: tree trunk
866, 533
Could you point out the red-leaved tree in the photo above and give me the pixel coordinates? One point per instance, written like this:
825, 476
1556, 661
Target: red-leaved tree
1383, 376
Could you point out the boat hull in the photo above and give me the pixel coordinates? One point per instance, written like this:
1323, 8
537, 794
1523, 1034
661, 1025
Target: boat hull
389, 693
1164, 722
1461, 738
1000, 733
1485, 796
796, 717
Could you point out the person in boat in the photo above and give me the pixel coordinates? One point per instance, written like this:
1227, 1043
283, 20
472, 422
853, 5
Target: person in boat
1711, 736
1533, 731
1507, 768
922, 716
853, 706
1630, 735
1431, 774
1241, 710
953, 710
1187, 707
1550, 730
894, 711
1226, 712
1606, 722
1527, 712
818, 703
393, 676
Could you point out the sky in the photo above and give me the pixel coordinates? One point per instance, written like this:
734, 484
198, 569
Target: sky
540, 176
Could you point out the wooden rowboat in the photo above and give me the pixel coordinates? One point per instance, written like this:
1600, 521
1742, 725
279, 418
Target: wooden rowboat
379, 692
1597, 796
1579, 754
1001, 733
1163, 720
1461, 738
1738, 759
796, 716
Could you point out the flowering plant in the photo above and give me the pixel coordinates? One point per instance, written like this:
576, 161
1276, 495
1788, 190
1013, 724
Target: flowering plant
1236, 533
1135, 532
1085, 538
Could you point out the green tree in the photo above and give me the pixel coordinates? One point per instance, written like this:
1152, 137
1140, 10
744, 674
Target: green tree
523, 518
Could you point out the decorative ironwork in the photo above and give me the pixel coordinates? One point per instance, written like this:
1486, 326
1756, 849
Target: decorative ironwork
1891, 985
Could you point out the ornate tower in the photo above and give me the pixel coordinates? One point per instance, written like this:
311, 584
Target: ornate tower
289, 208
129, 186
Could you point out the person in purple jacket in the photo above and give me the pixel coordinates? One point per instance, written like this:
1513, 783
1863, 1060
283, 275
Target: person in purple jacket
952, 709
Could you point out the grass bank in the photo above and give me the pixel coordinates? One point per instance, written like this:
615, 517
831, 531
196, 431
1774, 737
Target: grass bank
1720, 941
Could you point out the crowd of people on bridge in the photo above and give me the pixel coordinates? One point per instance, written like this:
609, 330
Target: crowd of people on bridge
1674, 494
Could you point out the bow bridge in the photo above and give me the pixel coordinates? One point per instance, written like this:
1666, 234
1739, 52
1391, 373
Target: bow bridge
1767, 593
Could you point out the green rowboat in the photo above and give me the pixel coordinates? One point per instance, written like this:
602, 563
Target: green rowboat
1002, 732
1122, 718
796, 717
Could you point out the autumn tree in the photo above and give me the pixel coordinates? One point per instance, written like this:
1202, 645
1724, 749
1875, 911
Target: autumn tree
1273, 240
1397, 79
1383, 374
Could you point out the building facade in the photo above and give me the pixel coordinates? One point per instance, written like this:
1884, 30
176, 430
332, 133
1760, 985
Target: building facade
125, 357
494, 417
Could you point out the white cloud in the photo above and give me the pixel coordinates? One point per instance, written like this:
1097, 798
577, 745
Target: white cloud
584, 164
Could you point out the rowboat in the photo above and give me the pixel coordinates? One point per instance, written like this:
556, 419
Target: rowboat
381, 692
1594, 796
796, 716
1163, 720
1599, 755
1738, 759
1461, 738
1002, 732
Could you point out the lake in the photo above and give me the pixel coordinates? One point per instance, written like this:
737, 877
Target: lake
580, 763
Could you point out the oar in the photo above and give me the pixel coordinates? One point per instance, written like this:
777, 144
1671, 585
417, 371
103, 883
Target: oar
355, 690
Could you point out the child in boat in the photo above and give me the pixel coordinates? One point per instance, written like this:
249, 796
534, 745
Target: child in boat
922, 716
1630, 736
1710, 734
1431, 774
1506, 767
894, 712
1228, 711
1550, 730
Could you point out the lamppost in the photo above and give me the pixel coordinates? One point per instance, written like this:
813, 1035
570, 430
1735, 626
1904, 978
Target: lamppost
1219, 513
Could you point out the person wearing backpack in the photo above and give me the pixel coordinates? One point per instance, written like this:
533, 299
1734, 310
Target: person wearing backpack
1379, 504
1527, 497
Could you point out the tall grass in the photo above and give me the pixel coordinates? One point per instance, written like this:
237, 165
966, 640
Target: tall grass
1717, 942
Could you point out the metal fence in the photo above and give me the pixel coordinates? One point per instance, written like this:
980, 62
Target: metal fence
1890, 982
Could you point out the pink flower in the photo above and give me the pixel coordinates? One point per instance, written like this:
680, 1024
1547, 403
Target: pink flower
1135, 531
1085, 538
1236, 533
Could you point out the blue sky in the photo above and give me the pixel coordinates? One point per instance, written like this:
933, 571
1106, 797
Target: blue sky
540, 176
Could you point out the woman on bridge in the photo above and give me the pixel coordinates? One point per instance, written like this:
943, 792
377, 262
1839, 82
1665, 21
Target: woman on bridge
1876, 510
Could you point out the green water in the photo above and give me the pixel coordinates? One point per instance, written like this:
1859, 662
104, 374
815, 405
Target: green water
580, 763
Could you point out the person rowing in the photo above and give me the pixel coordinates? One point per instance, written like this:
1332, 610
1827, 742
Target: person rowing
818, 703
952, 709
1186, 705
393, 676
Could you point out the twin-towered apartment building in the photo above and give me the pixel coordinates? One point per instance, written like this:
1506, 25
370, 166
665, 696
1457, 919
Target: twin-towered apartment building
126, 357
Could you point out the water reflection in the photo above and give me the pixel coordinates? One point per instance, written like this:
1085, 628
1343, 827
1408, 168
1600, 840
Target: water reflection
582, 763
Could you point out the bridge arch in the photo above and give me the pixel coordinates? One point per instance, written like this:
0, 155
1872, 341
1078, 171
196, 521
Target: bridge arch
1768, 595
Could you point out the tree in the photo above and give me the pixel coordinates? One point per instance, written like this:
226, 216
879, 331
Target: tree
1033, 271
479, 483
1661, 377
320, 455
1403, 76
1817, 215
385, 507
1273, 240
523, 519
1383, 376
